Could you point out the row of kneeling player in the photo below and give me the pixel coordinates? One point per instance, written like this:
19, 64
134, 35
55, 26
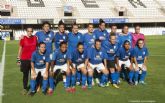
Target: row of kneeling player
107, 59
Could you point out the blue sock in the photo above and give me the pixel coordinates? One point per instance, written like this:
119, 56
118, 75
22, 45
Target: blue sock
73, 80
78, 76
104, 79
90, 80
131, 75
51, 82
113, 77
143, 75
68, 77
44, 84
117, 76
84, 78
32, 85
136, 75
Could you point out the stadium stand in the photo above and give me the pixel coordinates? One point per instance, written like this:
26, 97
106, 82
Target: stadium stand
85, 8
35, 3
149, 13
90, 3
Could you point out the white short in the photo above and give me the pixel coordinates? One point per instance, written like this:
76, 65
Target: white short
140, 67
126, 63
40, 70
98, 67
60, 67
78, 67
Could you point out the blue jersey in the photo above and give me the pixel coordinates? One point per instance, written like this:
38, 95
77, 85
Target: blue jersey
47, 39
117, 37
73, 40
89, 40
78, 58
111, 49
40, 60
59, 38
124, 55
101, 35
96, 56
60, 58
140, 54
122, 38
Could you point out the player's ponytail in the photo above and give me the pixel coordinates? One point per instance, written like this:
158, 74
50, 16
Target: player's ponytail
101, 21
137, 43
80, 43
63, 43
61, 23
125, 42
74, 24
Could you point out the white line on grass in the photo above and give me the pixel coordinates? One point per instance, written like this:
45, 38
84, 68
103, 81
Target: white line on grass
2, 66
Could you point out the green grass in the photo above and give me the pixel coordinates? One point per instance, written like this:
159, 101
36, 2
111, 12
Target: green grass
1, 49
153, 91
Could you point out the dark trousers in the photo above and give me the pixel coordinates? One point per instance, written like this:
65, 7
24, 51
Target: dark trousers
25, 69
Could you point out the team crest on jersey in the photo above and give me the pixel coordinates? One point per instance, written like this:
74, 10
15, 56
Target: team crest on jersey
43, 57
78, 37
104, 34
82, 56
49, 35
94, 36
63, 37
65, 56
114, 47
129, 53
144, 53
100, 53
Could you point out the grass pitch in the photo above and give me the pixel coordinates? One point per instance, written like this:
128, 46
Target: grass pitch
153, 92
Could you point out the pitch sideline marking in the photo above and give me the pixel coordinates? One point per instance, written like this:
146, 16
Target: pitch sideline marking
2, 66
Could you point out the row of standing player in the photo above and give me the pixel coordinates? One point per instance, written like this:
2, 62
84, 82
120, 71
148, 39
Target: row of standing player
73, 39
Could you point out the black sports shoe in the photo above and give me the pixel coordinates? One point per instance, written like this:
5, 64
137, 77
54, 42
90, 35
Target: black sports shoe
31, 93
44, 92
131, 83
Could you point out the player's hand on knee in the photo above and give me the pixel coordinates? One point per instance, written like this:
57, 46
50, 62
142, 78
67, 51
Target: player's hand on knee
144, 67
136, 68
131, 67
33, 75
46, 75
118, 68
51, 73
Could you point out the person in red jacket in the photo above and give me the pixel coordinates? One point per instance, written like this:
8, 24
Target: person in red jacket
27, 46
